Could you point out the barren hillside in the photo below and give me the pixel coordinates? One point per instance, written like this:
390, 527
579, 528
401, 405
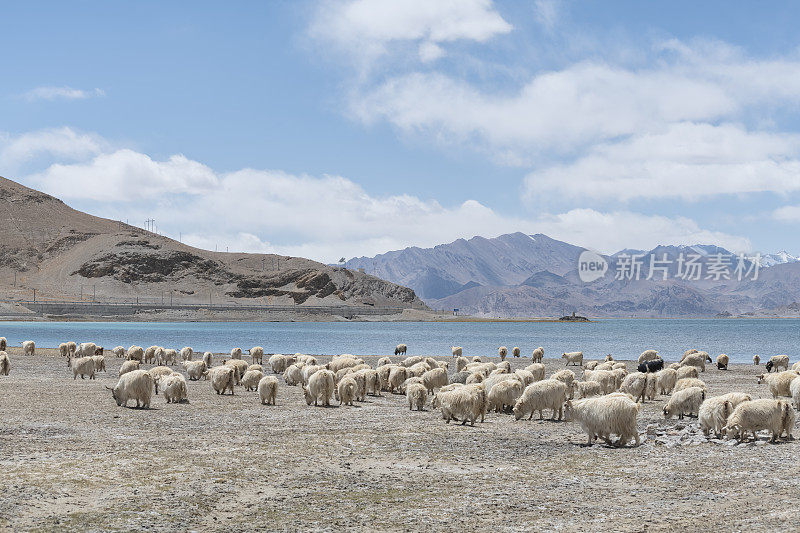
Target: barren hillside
64, 253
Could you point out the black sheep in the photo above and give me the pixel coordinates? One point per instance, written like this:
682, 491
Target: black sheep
651, 366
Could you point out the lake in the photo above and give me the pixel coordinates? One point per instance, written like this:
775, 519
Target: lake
624, 338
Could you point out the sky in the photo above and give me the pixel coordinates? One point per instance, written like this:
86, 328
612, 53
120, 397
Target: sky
330, 129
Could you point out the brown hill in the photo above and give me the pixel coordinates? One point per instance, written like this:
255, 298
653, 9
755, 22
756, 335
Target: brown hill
64, 253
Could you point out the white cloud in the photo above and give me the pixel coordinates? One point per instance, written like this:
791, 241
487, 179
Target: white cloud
62, 143
787, 213
125, 175
61, 93
546, 13
686, 160
366, 29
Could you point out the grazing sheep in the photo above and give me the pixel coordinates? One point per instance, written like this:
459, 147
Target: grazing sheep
688, 353
174, 388
383, 361
537, 369
605, 416
722, 361
5, 364
128, 366
82, 366
372, 382
756, 360
494, 379
568, 378
435, 378
99, 363
779, 383
794, 388
608, 365
504, 395
207, 357
648, 355
256, 367
505, 365
195, 369
476, 359
278, 363
86, 349
346, 390
72, 348
29, 348
619, 377
461, 363
251, 378
502, 352
456, 351
343, 362
474, 378
236, 353
119, 352
240, 366
675, 366
187, 353
605, 378
397, 376
576, 358
135, 385
590, 365
685, 383
775, 416
665, 380
417, 395
149, 355
257, 354
3, 344
418, 369
697, 360
776, 362
268, 390
305, 359
621, 365
684, 402
525, 377
157, 373
538, 355
586, 389
653, 365
515, 351
170, 356
63, 349
687, 372
293, 375
464, 403
400, 349
639, 385
545, 394
714, 412
320, 388
222, 378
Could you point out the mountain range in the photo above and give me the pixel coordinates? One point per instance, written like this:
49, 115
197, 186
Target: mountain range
519, 275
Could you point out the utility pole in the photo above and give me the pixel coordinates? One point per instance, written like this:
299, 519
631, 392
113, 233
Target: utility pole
170, 297
94, 293
34, 295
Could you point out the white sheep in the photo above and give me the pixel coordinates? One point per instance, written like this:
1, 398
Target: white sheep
689, 352
608, 365
590, 365
63, 349
135, 353
722, 361
456, 351
207, 357
346, 390
756, 360
343, 362
687, 372
222, 378
585, 389
383, 361
666, 379
525, 376
3, 344
119, 352
195, 369
293, 375
606, 379
240, 366
99, 363
685, 383
575, 358
86, 349
778, 361
187, 353
568, 378
794, 388
515, 351
418, 369
538, 355
29, 348
620, 364
170, 356
545, 394
697, 359
157, 373
435, 378
174, 388
417, 395
609, 358
135, 385
604, 416
464, 403
268, 390
373, 382
619, 376
256, 367
639, 385
148, 355
320, 387
502, 352
5, 364
537, 369
236, 353
714, 412
504, 395
72, 348
279, 363
684, 402
779, 383
251, 378
128, 366
397, 375
648, 355
776, 416
461, 363
257, 354
82, 366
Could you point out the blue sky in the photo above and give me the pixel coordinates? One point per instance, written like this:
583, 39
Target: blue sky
329, 129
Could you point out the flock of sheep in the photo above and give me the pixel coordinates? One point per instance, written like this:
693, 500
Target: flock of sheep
605, 401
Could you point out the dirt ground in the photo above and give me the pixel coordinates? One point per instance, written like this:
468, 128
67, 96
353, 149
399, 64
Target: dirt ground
70, 459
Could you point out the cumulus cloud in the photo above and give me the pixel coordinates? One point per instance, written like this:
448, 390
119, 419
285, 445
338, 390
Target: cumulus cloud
61, 93
58, 143
366, 29
787, 213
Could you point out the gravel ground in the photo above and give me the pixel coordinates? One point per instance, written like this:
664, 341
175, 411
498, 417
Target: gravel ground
71, 459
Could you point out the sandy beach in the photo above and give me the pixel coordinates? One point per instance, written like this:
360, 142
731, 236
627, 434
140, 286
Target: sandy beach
72, 459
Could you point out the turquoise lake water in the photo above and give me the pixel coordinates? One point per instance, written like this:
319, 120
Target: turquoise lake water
623, 338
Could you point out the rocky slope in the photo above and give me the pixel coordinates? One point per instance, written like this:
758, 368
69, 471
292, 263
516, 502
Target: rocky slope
63, 253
